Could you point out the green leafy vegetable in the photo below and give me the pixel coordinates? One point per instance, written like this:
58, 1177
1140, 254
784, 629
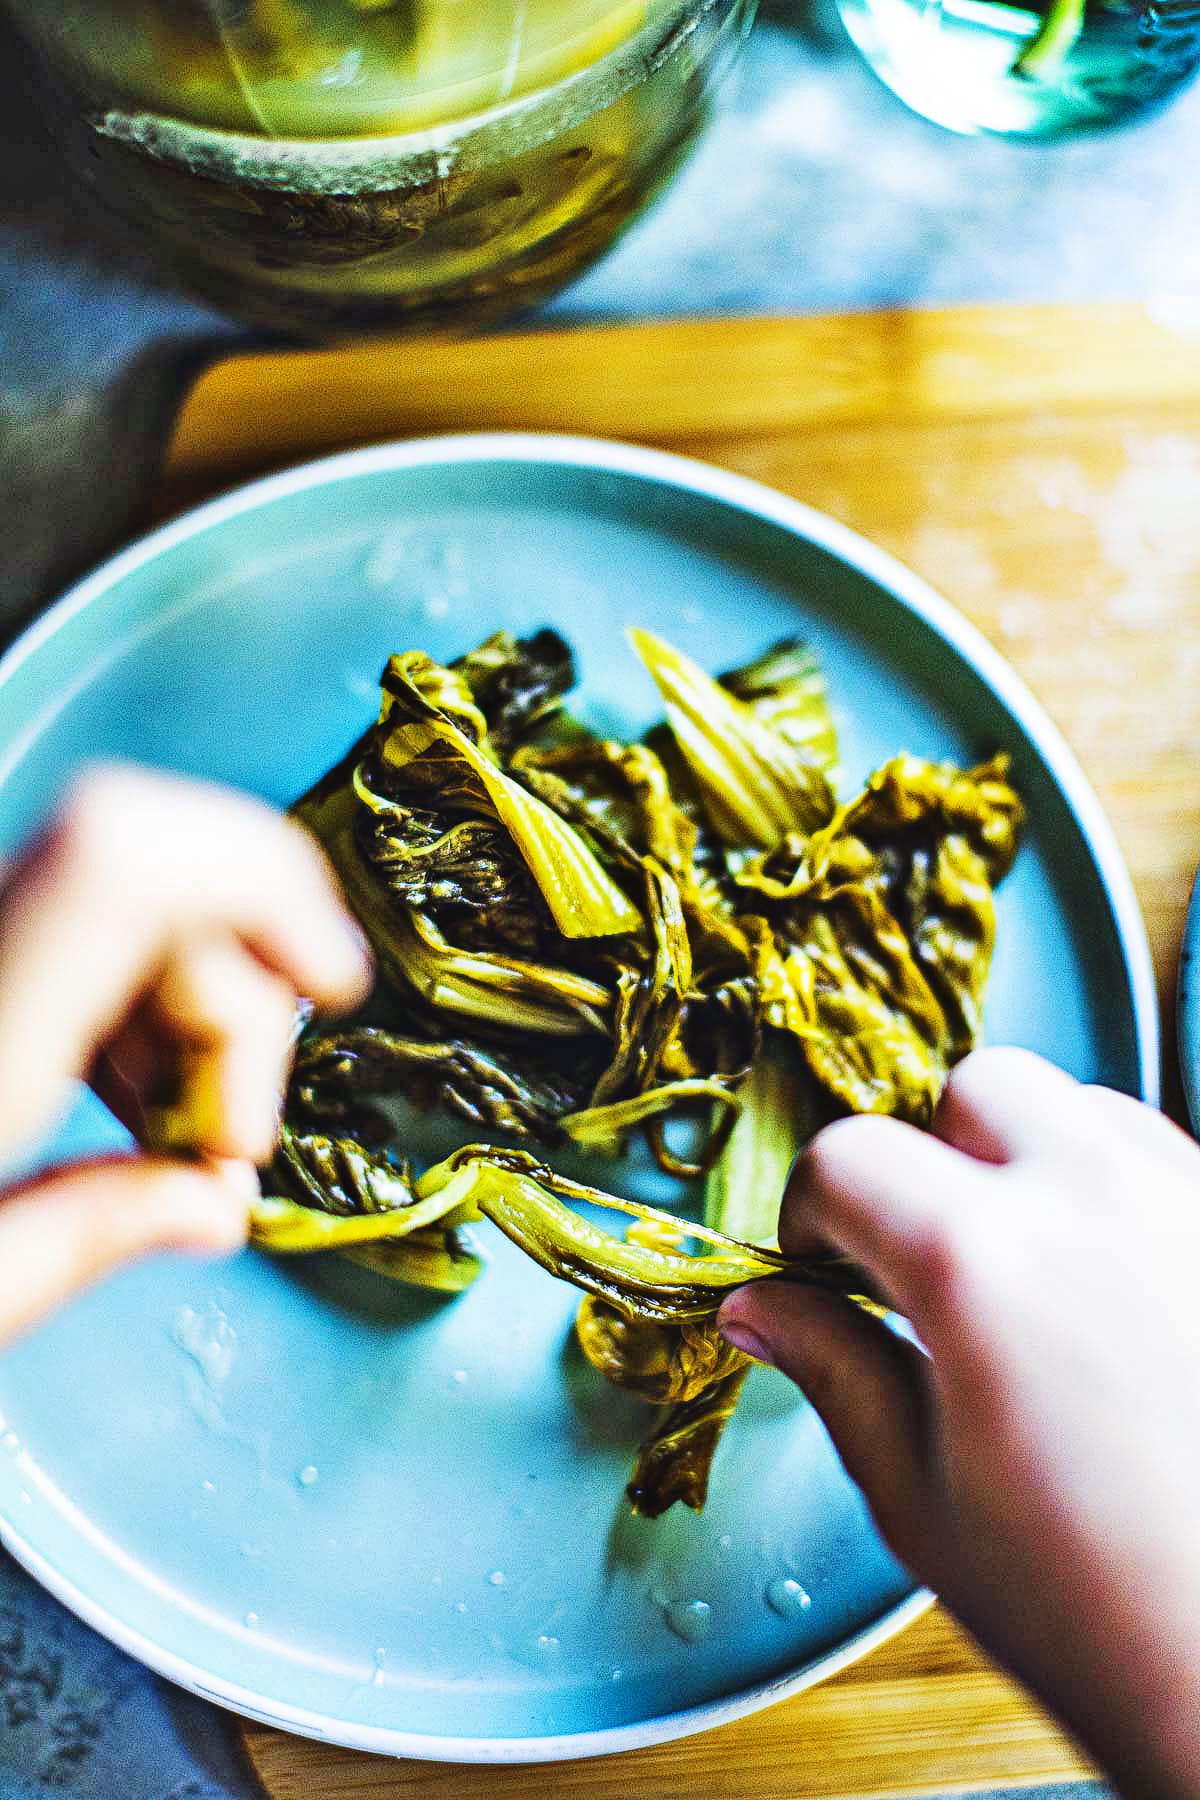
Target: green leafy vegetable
439, 742
780, 1113
690, 1368
517, 683
881, 929
498, 990
605, 1128
785, 690
675, 1460
580, 940
755, 784
667, 1364
519, 1096
1043, 56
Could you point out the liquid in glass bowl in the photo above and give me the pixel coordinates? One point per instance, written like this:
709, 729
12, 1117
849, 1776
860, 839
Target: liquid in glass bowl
326, 167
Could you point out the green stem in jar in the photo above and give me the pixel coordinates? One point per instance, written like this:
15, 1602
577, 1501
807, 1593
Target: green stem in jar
1044, 54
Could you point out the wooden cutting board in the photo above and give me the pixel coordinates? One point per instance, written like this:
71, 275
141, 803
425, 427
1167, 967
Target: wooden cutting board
1041, 466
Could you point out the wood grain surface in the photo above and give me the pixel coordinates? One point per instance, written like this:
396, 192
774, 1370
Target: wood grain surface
924, 1714
1040, 466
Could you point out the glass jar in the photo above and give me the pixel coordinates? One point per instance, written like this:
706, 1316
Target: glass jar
326, 167
1048, 69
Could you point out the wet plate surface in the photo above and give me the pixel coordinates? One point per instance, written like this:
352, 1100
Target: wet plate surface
398, 1521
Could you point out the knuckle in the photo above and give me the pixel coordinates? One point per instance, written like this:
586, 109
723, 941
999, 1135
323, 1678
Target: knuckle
983, 1068
839, 1152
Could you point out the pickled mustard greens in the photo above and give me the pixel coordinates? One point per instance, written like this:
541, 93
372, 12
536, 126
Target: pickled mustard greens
310, 68
730, 948
328, 167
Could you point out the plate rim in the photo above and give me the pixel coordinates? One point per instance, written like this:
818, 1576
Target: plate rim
708, 483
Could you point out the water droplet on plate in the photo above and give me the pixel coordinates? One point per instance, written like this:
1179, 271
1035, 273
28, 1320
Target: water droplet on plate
461, 1376
309, 1475
690, 1620
209, 1339
787, 1598
379, 1659
11, 1442
616, 1674
724, 1541
26, 1497
208, 1487
547, 1643
460, 1606
251, 1621
497, 1578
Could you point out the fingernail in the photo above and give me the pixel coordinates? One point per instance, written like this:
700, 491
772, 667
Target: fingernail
742, 1338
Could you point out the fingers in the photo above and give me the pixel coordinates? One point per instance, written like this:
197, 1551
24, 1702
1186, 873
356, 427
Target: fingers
867, 1386
137, 865
1144, 1125
234, 1019
1006, 1105
1004, 1102
891, 1197
925, 1213
64, 1231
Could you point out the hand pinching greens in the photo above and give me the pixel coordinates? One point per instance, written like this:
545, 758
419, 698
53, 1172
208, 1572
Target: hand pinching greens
581, 939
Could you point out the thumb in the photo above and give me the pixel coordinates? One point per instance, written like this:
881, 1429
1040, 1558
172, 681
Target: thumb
64, 1230
869, 1387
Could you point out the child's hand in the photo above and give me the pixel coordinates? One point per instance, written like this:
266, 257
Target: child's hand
154, 922
1041, 1470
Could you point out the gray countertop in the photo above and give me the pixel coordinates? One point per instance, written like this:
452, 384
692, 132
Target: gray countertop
814, 190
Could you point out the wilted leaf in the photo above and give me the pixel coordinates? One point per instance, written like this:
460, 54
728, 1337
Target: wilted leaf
484, 1087
579, 937
785, 689
435, 1258
755, 785
466, 873
604, 1128
517, 683
675, 1460
521, 1195
946, 837
878, 931
780, 1113
665, 1364
494, 989
422, 740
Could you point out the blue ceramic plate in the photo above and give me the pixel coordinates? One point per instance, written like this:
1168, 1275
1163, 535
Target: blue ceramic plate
397, 1521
